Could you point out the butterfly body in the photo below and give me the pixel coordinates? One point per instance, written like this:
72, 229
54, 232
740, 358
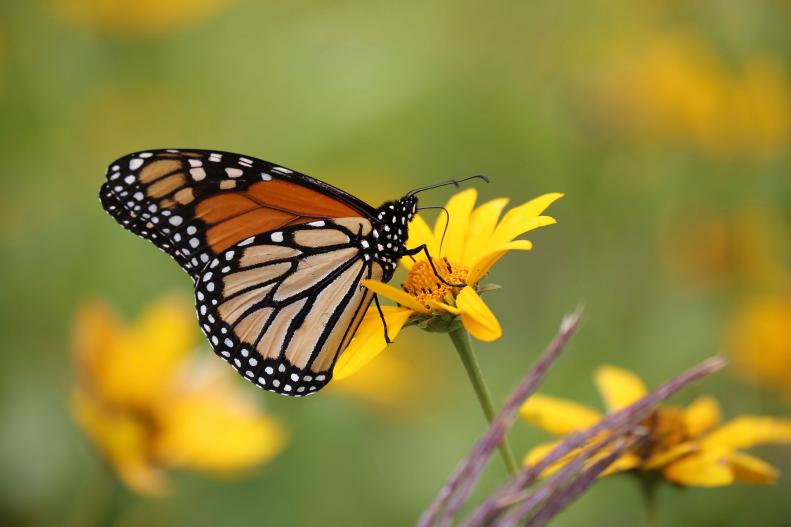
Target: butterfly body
276, 256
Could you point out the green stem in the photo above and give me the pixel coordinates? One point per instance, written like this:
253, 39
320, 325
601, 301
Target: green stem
461, 340
649, 487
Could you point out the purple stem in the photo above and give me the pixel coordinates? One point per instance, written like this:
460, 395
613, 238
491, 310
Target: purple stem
631, 415
588, 477
529, 502
457, 488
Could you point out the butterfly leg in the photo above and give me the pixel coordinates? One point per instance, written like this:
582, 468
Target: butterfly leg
424, 249
382, 316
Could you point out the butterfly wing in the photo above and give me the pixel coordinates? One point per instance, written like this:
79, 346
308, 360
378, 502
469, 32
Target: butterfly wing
276, 256
194, 204
280, 307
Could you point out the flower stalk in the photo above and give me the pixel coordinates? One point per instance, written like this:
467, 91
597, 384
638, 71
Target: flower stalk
649, 488
463, 344
452, 496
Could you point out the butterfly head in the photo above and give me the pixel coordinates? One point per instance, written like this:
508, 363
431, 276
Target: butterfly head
391, 229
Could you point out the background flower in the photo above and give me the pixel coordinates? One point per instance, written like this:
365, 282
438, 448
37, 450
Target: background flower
148, 404
675, 86
129, 18
688, 446
759, 341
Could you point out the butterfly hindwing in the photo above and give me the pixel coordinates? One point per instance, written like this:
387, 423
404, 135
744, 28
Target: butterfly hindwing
281, 306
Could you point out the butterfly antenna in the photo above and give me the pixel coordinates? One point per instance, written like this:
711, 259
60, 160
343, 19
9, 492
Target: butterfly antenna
447, 221
454, 182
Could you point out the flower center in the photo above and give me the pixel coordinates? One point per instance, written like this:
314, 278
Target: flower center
666, 430
424, 285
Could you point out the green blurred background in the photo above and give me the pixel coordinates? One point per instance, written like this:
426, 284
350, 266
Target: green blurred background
666, 124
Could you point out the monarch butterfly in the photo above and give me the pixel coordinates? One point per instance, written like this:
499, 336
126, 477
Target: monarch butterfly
276, 256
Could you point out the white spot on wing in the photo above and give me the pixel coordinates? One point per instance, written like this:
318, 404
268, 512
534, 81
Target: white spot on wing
198, 174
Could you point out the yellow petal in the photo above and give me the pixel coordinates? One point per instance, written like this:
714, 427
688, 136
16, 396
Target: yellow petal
436, 305
392, 383
482, 224
709, 468
749, 469
665, 457
369, 341
484, 262
396, 295
167, 324
459, 209
747, 431
618, 387
504, 235
541, 451
558, 416
420, 234
97, 327
137, 365
477, 317
702, 415
524, 218
210, 425
123, 440
627, 461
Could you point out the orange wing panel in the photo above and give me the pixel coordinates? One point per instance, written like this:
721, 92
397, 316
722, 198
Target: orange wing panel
265, 206
300, 200
234, 230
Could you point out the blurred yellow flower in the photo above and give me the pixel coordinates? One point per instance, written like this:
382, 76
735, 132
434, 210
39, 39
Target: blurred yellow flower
475, 240
759, 341
134, 18
393, 384
678, 87
148, 404
708, 249
688, 446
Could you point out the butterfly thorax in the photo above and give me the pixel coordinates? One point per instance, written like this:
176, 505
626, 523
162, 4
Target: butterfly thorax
390, 232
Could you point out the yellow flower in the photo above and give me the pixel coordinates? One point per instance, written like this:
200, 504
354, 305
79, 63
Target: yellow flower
688, 446
475, 240
678, 87
148, 404
137, 17
759, 341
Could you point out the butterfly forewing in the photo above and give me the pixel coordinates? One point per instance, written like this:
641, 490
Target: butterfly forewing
194, 204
